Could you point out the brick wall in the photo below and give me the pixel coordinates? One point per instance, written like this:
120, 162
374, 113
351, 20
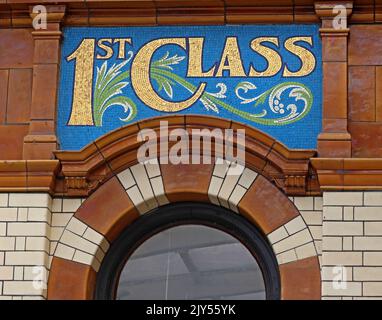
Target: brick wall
30, 227
16, 62
365, 90
352, 243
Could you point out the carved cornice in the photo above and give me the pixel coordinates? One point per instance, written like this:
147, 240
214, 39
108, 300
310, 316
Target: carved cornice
15, 13
84, 170
28, 175
349, 174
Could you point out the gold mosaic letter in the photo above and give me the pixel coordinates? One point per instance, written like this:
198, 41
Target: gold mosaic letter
81, 114
231, 55
106, 48
307, 58
140, 78
195, 59
273, 58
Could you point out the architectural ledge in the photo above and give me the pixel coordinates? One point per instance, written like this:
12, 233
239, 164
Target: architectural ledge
349, 173
28, 175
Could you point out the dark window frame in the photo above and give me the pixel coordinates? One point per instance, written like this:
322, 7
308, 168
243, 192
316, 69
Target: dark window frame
176, 214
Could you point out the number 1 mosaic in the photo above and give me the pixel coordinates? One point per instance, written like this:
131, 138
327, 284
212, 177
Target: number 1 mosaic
267, 76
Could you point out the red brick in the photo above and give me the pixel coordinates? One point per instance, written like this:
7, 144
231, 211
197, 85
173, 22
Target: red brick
19, 96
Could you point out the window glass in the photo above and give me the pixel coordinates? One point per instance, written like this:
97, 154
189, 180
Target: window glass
191, 262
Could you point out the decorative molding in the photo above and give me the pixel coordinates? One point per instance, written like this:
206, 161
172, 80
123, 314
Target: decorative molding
349, 174
117, 150
28, 175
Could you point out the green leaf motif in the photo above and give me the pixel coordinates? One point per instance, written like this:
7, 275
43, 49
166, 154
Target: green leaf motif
282, 104
108, 92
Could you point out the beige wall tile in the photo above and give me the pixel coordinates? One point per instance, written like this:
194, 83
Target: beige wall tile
318, 245
37, 243
83, 257
304, 203
22, 214
214, 189
372, 288
295, 225
236, 196
20, 243
20, 288
3, 199
368, 243
372, 258
316, 232
126, 178
136, 197
286, 256
373, 228
71, 205
368, 213
55, 233
348, 213
30, 273
332, 273
76, 226
347, 228
93, 236
343, 198
347, 243
64, 251
26, 258
305, 251
141, 177
18, 273
352, 289
277, 235
373, 198
77, 242
332, 213
247, 178
30, 200
7, 243
226, 189
367, 273
6, 273
312, 217
158, 188
57, 205
39, 214
293, 241
8, 214
318, 203
61, 219
341, 258
221, 168
27, 229
52, 247
3, 228
152, 168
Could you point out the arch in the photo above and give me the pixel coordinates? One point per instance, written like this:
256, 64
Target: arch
108, 169
108, 155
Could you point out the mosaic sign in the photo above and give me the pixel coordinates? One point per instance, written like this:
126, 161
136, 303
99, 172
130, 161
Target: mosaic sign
266, 76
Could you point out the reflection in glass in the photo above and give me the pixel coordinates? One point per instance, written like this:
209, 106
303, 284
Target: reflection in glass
191, 262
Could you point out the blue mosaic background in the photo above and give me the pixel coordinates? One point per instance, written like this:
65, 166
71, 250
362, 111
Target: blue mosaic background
301, 134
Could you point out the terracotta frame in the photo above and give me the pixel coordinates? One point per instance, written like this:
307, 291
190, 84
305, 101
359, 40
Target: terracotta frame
97, 165
84, 170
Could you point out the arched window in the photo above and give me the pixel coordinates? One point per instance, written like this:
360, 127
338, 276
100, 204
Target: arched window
189, 251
